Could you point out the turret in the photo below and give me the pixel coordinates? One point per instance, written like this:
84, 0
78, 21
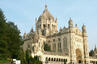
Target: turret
24, 36
70, 23
75, 25
46, 7
84, 32
56, 20
84, 28
32, 30
85, 44
46, 24
95, 49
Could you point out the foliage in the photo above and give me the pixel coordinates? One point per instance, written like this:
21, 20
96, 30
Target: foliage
27, 59
91, 53
10, 42
10, 39
4, 61
21, 56
46, 47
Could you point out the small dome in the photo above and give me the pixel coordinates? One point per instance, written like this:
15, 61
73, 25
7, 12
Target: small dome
46, 15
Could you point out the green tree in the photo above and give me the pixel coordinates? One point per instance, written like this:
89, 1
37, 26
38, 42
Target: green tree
10, 39
3, 50
47, 47
4, 53
26, 58
91, 53
14, 40
22, 56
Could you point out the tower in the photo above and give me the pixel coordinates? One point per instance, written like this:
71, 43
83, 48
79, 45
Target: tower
71, 36
85, 44
46, 24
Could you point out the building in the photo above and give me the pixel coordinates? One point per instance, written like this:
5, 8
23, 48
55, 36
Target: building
69, 45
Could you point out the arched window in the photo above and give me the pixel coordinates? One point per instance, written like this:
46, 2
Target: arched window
48, 26
47, 47
59, 47
40, 25
59, 39
64, 43
54, 47
44, 32
44, 26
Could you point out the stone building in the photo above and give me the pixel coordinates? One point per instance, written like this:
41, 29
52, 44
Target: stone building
69, 45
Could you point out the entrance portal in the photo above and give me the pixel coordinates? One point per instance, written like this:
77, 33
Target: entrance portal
79, 61
78, 56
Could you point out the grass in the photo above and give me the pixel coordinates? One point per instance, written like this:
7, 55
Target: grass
4, 61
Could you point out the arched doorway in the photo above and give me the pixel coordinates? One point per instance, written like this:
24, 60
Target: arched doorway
78, 56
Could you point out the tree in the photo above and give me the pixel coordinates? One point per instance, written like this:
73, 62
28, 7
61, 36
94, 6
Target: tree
10, 39
3, 50
14, 40
91, 53
4, 53
22, 56
26, 58
46, 47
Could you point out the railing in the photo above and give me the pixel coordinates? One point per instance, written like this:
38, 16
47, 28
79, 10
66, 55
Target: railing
55, 53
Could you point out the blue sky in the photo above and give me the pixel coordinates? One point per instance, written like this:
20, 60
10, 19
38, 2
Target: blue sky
24, 12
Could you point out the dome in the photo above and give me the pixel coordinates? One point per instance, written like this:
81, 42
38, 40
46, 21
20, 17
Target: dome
46, 15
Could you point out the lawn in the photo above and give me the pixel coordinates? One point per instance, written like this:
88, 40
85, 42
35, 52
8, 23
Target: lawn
4, 61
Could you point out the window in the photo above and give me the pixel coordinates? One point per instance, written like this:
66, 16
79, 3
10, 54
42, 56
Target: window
58, 39
49, 41
40, 25
65, 43
54, 47
44, 26
53, 40
43, 32
47, 47
59, 47
48, 26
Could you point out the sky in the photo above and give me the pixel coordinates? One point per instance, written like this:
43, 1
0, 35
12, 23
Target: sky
24, 12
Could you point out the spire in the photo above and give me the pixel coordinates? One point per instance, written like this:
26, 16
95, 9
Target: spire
60, 29
32, 30
95, 49
84, 28
46, 7
70, 23
35, 20
25, 35
56, 20
75, 25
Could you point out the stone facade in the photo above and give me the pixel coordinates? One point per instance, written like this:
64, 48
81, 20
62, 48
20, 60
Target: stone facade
68, 45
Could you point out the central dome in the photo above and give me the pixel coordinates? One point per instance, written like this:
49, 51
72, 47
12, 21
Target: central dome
46, 15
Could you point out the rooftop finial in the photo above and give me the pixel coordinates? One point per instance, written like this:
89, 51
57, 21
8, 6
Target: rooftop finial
84, 28
95, 45
46, 6
95, 48
75, 25
70, 22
